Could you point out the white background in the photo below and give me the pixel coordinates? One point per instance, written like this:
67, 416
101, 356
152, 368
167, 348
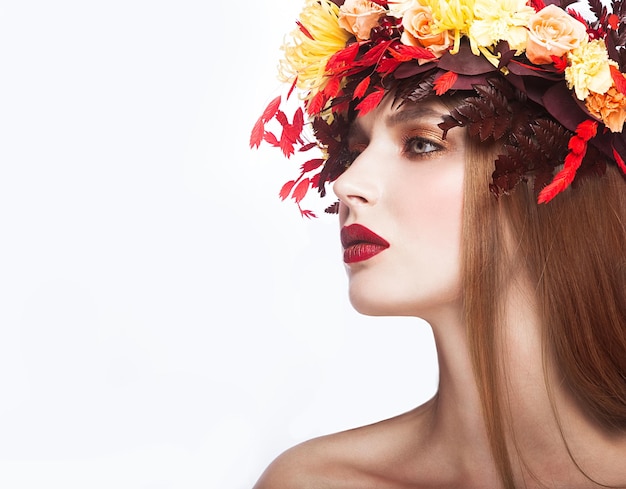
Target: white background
165, 321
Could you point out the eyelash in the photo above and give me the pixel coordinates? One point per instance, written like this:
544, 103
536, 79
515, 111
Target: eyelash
408, 148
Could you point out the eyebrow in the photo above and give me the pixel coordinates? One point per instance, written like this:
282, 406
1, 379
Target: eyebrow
405, 114
411, 113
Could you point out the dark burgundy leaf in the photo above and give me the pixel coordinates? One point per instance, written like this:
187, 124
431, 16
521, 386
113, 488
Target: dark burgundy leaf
332, 208
307, 147
409, 69
311, 165
558, 101
465, 62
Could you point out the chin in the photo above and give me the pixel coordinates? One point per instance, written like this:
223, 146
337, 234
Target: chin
428, 308
378, 306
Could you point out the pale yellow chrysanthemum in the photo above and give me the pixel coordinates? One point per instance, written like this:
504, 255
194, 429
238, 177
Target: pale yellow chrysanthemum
589, 69
455, 16
500, 20
306, 58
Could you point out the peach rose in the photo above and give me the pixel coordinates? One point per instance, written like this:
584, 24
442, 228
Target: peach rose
418, 23
553, 32
359, 17
609, 107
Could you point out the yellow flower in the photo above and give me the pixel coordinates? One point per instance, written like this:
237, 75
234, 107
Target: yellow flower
588, 69
497, 20
306, 58
455, 16
609, 107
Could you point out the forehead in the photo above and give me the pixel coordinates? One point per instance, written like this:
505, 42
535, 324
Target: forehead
430, 110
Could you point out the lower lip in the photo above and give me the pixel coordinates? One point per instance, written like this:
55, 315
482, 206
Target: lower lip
361, 252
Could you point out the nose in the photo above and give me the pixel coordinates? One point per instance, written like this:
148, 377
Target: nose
359, 185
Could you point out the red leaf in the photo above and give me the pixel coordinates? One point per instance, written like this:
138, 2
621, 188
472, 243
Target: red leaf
293, 85
562, 179
445, 82
271, 138
332, 87
282, 118
317, 103
559, 63
370, 102
587, 129
387, 65
301, 189
292, 132
361, 88
271, 109
537, 5
286, 144
298, 120
408, 53
578, 148
256, 136
286, 189
304, 30
618, 79
613, 21
306, 213
342, 59
375, 54
340, 107
577, 145
620, 161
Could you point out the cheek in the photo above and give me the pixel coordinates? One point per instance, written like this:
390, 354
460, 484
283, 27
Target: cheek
432, 207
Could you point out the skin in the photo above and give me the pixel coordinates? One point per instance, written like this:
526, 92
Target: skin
406, 185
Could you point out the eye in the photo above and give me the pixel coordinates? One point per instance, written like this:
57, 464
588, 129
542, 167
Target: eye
419, 146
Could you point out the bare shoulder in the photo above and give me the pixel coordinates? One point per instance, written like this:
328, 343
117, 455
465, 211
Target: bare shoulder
300, 467
355, 458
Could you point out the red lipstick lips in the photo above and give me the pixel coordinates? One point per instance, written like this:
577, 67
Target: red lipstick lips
359, 243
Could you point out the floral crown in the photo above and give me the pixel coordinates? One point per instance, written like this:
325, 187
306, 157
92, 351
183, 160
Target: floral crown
538, 77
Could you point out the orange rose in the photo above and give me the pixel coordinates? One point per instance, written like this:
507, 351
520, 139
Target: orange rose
609, 107
359, 17
553, 32
418, 22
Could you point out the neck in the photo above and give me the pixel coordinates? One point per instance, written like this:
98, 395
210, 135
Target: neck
535, 433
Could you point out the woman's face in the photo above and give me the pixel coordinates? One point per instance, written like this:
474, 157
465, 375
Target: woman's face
406, 187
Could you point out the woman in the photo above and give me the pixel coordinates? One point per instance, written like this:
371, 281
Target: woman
420, 108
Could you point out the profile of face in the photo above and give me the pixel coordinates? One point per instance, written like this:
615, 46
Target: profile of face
400, 211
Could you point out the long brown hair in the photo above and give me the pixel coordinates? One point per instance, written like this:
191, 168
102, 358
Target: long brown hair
573, 251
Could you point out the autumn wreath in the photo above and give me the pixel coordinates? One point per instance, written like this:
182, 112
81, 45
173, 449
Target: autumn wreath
539, 77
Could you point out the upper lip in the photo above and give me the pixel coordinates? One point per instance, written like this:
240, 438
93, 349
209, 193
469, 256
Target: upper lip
357, 233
